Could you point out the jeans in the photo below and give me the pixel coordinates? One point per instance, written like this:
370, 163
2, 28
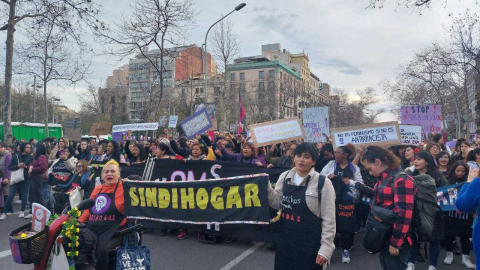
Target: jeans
23, 188
389, 262
36, 192
433, 250
46, 194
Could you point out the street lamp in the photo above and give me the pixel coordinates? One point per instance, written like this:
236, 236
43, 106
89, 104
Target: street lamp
35, 87
53, 108
237, 8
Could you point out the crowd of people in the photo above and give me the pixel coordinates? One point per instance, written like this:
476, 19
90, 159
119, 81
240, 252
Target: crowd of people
52, 167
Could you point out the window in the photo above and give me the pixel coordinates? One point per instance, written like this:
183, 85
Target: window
271, 74
103, 100
261, 75
232, 76
261, 86
242, 76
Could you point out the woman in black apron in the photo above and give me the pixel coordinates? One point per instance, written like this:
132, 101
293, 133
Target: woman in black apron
107, 215
307, 223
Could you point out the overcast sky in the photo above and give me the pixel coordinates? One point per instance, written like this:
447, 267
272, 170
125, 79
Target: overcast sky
349, 46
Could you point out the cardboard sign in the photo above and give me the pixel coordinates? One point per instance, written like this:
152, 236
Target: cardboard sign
380, 134
172, 121
73, 134
40, 215
428, 116
316, 124
277, 131
103, 128
163, 120
411, 135
196, 123
134, 127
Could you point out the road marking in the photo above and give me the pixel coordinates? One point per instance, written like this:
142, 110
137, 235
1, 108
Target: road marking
242, 256
5, 253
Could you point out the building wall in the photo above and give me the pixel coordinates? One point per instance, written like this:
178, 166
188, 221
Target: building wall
189, 64
120, 76
114, 102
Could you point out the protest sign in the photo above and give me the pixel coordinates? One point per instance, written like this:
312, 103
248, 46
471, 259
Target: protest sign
210, 107
277, 131
172, 121
163, 120
447, 196
134, 127
73, 134
428, 116
316, 124
238, 200
233, 128
103, 128
196, 123
387, 133
411, 135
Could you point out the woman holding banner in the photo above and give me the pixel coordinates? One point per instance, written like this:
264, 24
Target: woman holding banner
307, 222
344, 175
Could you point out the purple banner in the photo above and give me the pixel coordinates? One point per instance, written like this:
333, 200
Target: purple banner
196, 123
428, 116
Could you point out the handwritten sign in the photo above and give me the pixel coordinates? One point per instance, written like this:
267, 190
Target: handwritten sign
277, 131
102, 128
172, 121
411, 135
387, 133
428, 116
316, 124
196, 123
134, 127
73, 134
162, 121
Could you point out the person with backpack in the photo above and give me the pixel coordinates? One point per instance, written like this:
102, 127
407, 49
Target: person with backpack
458, 223
467, 201
424, 168
344, 175
307, 221
394, 194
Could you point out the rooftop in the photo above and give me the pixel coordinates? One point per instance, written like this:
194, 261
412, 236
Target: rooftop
263, 64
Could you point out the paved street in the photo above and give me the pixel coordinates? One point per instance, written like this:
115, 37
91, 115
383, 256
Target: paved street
170, 254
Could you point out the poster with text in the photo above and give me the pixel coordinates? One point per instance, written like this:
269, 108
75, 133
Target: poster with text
172, 121
162, 121
411, 134
380, 134
103, 128
277, 131
196, 123
428, 116
316, 124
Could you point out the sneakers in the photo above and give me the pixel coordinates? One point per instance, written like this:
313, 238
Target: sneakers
411, 266
3, 216
21, 215
448, 258
29, 216
346, 256
431, 267
466, 261
9, 214
182, 235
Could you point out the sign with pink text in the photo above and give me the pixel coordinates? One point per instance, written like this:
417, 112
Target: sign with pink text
428, 116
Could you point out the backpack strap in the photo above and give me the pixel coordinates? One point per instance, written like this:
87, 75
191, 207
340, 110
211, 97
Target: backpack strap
395, 176
321, 182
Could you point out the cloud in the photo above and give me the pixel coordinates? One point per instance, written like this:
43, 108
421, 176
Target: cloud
342, 65
283, 24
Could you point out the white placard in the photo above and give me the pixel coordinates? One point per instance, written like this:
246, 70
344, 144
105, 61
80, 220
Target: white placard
411, 134
316, 124
172, 121
374, 134
134, 127
277, 131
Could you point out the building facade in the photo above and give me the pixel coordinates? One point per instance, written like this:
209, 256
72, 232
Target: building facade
113, 98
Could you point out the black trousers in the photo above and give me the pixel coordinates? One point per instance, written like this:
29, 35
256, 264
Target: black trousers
458, 227
35, 194
389, 262
103, 261
346, 240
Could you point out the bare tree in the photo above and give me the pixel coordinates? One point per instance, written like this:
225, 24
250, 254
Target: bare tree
90, 108
407, 3
18, 10
156, 23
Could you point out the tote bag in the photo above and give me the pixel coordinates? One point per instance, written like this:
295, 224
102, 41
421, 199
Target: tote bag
133, 257
17, 176
75, 197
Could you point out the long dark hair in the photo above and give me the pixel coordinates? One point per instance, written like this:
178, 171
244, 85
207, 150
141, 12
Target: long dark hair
142, 155
432, 168
472, 155
386, 157
441, 154
40, 150
452, 176
116, 151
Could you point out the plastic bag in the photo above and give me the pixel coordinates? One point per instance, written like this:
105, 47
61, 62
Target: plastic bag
58, 259
76, 197
133, 257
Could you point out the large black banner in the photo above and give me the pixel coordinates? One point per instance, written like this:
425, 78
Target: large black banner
237, 200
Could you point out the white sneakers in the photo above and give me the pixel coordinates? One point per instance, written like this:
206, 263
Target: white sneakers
411, 266
21, 215
466, 261
28, 216
346, 256
431, 267
448, 258
3, 216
